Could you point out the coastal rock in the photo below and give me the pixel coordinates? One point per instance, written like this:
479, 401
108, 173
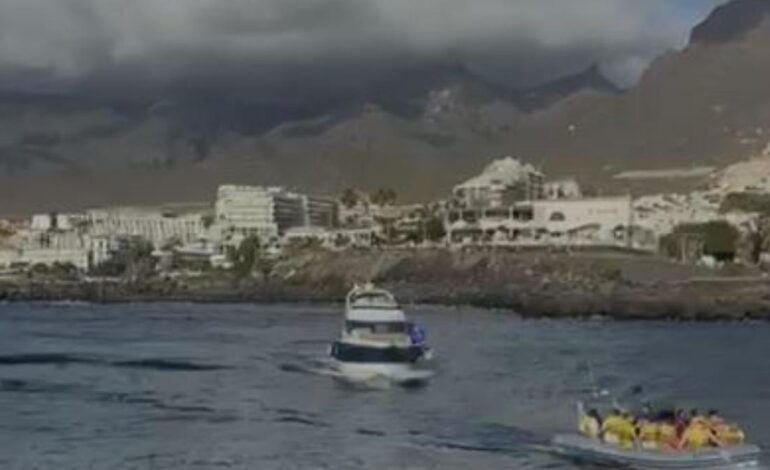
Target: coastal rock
578, 285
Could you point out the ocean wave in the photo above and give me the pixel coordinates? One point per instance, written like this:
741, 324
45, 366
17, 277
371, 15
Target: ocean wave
64, 359
58, 359
167, 365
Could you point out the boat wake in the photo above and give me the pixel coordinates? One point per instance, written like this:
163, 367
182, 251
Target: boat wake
370, 380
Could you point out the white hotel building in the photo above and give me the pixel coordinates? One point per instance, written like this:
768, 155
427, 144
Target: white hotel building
509, 204
268, 212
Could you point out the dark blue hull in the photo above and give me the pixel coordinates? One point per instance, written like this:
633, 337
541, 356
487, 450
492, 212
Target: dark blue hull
353, 353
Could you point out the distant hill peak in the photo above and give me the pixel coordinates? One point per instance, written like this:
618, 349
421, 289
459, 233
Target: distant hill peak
731, 21
589, 79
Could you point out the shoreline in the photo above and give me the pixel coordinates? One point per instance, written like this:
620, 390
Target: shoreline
529, 285
628, 306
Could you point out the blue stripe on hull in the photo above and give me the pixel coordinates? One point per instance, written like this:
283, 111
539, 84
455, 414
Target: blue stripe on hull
346, 352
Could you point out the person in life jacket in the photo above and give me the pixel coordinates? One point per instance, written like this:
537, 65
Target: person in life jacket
680, 422
696, 417
418, 335
618, 429
728, 434
611, 428
667, 435
590, 424
698, 435
627, 431
648, 433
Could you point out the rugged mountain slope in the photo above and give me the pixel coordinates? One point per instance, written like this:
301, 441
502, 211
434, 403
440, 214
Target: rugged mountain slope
428, 128
548, 94
417, 129
708, 104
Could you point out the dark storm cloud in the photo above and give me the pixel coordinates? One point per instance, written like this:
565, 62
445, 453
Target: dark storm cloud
155, 43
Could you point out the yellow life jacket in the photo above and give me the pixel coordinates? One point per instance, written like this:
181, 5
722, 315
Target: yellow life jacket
696, 436
648, 434
667, 435
611, 428
627, 433
589, 426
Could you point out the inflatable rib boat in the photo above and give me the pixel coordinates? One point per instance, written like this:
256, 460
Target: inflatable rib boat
585, 450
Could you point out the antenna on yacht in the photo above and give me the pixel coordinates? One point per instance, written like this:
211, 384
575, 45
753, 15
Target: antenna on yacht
595, 390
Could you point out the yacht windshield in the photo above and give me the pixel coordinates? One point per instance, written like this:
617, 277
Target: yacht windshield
377, 327
374, 300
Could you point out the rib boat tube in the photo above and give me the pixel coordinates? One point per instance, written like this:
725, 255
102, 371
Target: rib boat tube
592, 451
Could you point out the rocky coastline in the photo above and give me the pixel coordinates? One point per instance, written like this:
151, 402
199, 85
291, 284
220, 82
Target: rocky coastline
610, 285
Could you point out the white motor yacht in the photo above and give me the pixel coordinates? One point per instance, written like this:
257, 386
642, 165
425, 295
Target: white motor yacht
377, 340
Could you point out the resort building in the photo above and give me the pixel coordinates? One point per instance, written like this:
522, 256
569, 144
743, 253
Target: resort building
245, 211
52, 221
156, 225
503, 182
321, 212
268, 212
575, 222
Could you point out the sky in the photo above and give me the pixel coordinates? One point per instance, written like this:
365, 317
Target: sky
126, 45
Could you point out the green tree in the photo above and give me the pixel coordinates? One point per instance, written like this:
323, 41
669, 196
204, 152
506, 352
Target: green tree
132, 260
746, 202
64, 270
384, 197
208, 220
758, 239
720, 239
349, 198
246, 255
434, 229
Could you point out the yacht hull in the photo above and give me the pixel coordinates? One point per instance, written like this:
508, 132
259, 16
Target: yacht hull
392, 372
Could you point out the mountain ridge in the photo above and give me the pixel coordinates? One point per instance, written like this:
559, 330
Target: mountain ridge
419, 129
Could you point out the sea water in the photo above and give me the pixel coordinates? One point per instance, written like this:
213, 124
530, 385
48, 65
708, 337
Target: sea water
182, 386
